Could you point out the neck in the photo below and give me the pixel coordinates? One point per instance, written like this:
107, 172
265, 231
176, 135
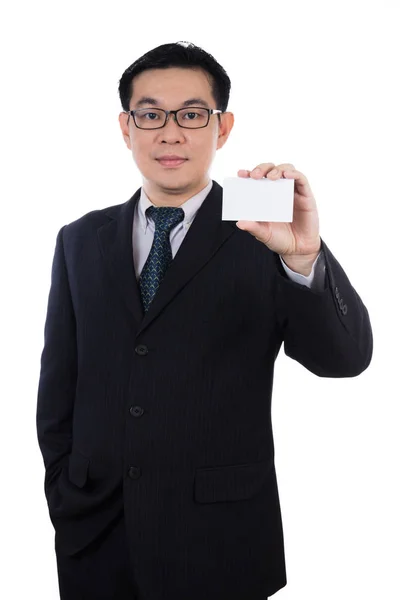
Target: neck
160, 195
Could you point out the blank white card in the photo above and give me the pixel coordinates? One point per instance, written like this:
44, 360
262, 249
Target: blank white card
247, 199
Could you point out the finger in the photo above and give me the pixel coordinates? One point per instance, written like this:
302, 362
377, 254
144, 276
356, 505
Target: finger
270, 170
261, 170
301, 179
302, 185
264, 169
277, 172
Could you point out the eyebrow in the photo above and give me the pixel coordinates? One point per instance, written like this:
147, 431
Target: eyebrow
190, 102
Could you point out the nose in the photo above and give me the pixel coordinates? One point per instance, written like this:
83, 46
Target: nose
172, 117
172, 131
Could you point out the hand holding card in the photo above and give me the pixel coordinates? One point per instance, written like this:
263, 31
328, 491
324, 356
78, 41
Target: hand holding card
296, 237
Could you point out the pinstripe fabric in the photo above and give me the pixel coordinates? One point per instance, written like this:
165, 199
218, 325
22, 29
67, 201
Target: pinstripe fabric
160, 256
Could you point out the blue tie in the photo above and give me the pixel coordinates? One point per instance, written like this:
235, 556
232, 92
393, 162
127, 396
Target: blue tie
160, 255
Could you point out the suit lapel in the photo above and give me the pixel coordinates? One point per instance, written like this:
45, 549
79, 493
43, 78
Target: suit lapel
205, 236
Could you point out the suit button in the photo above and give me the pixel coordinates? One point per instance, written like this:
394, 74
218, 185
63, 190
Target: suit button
141, 349
134, 472
344, 309
136, 411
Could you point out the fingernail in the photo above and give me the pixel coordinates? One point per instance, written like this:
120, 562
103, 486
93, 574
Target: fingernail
274, 171
258, 170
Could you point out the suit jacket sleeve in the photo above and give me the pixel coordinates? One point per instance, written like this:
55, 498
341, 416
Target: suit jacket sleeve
58, 371
328, 329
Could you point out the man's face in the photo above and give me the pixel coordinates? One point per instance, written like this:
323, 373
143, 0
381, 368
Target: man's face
171, 88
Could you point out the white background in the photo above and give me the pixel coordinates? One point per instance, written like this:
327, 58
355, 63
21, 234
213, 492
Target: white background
326, 76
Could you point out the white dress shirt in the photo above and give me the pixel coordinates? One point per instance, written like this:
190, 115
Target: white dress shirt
144, 227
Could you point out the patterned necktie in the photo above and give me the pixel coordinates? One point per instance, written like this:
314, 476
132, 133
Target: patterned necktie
160, 255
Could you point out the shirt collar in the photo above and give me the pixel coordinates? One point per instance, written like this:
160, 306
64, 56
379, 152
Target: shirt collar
190, 207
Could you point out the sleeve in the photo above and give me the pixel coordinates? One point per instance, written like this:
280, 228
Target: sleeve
315, 280
328, 331
58, 371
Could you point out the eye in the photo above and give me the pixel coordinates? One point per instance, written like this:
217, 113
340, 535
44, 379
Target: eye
150, 113
191, 113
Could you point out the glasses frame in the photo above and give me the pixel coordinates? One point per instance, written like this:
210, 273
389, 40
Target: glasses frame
211, 111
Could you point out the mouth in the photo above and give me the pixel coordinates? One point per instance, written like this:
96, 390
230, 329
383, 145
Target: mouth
172, 163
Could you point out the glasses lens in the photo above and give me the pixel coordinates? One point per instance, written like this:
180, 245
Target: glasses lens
147, 118
150, 118
192, 117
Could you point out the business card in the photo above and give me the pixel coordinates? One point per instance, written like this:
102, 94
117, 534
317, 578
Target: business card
247, 199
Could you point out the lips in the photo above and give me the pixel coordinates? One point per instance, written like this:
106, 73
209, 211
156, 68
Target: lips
167, 162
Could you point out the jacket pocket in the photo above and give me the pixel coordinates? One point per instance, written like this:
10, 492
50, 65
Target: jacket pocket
233, 482
78, 468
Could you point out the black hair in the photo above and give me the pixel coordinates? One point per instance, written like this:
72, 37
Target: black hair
179, 54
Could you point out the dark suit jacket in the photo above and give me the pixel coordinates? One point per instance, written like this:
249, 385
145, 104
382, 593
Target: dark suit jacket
167, 415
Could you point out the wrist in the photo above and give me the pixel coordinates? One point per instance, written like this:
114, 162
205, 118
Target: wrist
300, 263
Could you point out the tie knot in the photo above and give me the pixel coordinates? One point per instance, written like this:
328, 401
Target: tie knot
165, 217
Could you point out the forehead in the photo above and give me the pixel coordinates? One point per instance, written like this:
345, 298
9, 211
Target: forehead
172, 85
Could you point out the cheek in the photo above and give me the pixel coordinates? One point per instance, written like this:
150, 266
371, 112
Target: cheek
141, 152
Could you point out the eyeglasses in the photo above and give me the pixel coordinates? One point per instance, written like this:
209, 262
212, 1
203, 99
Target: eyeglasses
194, 117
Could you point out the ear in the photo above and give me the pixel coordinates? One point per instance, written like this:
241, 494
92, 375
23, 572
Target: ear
227, 121
124, 120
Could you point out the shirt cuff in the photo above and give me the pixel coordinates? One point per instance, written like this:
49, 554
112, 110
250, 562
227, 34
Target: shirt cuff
307, 280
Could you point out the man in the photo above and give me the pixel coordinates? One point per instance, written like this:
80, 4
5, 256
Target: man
163, 326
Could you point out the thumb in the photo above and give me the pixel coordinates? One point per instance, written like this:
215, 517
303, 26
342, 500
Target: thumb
254, 227
245, 225
260, 230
